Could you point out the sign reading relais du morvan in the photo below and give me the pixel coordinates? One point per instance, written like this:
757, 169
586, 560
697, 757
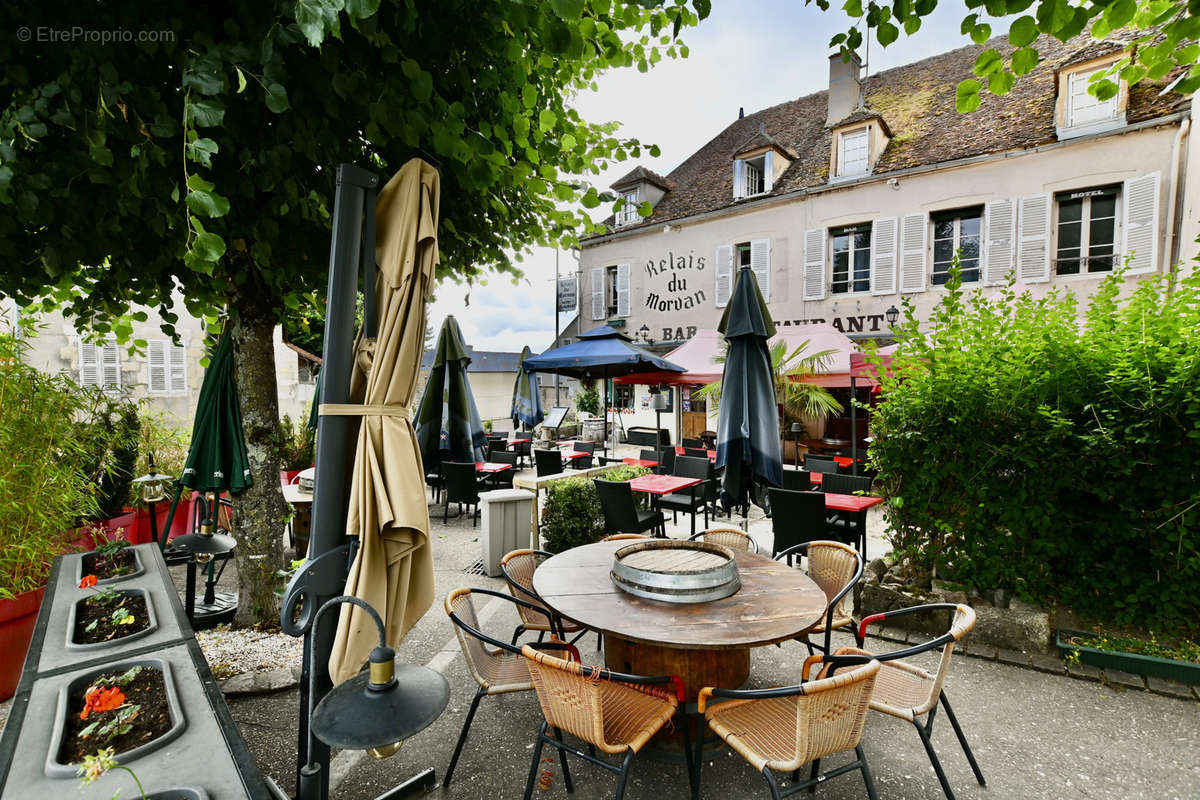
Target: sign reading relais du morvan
672, 293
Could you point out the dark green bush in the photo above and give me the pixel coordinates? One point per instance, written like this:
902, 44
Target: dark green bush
571, 515
1023, 451
110, 427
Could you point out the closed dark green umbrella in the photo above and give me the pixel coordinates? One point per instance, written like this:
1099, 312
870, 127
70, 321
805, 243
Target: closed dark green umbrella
447, 418
316, 402
217, 459
748, 420
527, 396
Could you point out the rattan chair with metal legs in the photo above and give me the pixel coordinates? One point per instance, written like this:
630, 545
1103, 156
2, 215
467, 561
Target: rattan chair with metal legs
835, 567
497, 667
906, 691
735, 538
780, 730
609, 711
518, 568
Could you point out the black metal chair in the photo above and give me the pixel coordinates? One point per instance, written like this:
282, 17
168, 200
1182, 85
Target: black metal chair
433, 476
847, 527
796, 517
820, 464
694, 499
547, 462
694, 452
496, 446
846, 484
586, 461
797, 480
695, 444
666, 460
908, 691
648, 455
461, 487
621, 514
523, 449
836, 568
498, 667
504, 479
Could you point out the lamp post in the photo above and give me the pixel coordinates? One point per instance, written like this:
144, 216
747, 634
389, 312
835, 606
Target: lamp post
891, 315
374, 711
658, 401
203, 547
154, 490
797, 429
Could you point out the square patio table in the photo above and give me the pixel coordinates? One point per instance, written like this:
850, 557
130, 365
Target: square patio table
640, 462
491, 467
853, 508
712, 454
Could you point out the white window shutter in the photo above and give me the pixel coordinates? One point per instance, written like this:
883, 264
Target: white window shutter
1033, 248
883, 256
178, 365
156, 366
768, 170
724, 273
1141, 223
89, 364
622, 290
110, 364
814, 264
999, 240
760, 263
913, 228
739, 179
598, 310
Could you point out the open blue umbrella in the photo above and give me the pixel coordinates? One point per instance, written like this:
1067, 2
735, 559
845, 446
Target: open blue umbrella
602, 352
527, 396
748, 420
447, 418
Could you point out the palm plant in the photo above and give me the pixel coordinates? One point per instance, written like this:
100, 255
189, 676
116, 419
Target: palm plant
800, 400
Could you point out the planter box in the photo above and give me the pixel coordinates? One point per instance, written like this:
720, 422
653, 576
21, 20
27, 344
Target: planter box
85, 648
204, 755
137, 569
17, 618
1134, 663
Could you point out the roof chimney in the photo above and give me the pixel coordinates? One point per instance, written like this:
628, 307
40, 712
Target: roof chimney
845, 88
741, 112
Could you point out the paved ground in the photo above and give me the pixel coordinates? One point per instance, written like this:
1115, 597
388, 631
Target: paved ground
1036, 735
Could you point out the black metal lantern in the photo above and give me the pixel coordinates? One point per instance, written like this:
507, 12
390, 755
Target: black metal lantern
797, 429
375, 710
892, 314
644, 333
153, 485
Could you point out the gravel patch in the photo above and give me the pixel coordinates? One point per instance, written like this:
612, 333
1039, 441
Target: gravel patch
235, 652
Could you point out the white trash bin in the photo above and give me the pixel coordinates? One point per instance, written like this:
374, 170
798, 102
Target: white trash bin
504, 525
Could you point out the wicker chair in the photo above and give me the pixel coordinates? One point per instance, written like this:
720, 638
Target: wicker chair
835, 567
609, 711
498, 668
735, 538
518, 568
906, 691
783, 729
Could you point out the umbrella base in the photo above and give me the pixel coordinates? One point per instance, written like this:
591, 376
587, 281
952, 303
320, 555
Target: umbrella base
219, 612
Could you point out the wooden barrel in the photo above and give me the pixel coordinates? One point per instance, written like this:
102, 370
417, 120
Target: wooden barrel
676, 571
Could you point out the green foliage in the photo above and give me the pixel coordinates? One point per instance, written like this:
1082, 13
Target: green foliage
207, 157
571, 515
161, 435
1164, 40
43, 490
587, 399
109, 428
800, 400
1022, 451
1185, 650
297, 443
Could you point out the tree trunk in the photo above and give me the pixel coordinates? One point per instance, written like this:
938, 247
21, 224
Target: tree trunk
260, 512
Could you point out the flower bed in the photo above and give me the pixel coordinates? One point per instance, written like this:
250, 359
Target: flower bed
1111, 652
110, 615
111, 561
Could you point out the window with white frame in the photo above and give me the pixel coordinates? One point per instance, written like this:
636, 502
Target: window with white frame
851, 258
1084, 108
956, 231
629, 212
100, 364
166, 367
853, 152
755, 182
1086, 230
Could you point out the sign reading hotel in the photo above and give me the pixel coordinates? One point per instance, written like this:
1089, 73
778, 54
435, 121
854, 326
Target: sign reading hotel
673, 273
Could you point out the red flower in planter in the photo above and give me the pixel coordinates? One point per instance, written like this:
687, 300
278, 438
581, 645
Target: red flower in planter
88, 581
99, 699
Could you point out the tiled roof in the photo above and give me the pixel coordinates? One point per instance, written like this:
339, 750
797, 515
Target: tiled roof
917, 102
761, 138
862, 115
482, 361
638, 174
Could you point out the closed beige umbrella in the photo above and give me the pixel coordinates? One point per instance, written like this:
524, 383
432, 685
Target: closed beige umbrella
393, 570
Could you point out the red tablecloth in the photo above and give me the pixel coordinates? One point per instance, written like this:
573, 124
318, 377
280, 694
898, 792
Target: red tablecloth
712, 454
851, 502
573, 455
640, 462
489, 467
661, 484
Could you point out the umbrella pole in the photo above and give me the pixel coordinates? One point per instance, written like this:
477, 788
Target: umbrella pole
853, 427
166, 531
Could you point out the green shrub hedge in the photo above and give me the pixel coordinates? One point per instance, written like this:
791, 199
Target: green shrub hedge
571, 515
1022, 450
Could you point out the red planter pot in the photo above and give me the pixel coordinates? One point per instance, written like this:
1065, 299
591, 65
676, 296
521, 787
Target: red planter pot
17, 618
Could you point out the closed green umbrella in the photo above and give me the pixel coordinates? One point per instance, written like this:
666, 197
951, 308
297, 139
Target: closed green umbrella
316, 401
527, 396
447, 419
748, 420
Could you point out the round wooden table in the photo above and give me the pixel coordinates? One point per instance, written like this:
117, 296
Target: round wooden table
705, 644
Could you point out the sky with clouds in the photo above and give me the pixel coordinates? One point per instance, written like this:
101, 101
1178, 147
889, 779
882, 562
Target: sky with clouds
749, 54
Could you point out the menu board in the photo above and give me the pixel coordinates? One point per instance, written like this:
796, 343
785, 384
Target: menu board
554, 417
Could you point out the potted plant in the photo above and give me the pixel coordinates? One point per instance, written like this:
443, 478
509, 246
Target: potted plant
587, 407
108, 615
43, 492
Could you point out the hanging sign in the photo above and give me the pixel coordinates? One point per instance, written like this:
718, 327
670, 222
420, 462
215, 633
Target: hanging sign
568, 290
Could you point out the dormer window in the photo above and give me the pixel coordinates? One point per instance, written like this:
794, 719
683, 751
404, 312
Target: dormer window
753, 176
1080, 112
853, 153
629, 212
755, 184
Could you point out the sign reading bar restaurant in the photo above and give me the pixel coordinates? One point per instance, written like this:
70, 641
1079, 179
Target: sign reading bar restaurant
567, 292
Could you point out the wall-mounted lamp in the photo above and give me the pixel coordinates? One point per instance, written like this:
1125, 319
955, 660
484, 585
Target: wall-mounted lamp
644, 334
892, 314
